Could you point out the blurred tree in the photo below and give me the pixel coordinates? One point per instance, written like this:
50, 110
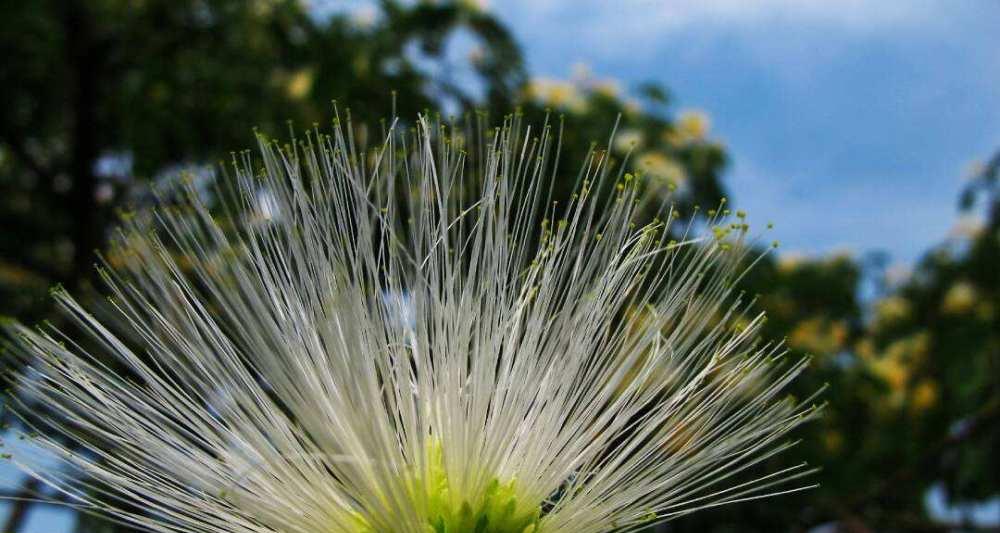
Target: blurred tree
914, 375
929, 365
812, 304
914, 402
101, 97
675, 156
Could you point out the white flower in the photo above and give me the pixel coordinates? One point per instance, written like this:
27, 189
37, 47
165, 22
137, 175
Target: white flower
628, 140
664, 174
466, 358
559, 94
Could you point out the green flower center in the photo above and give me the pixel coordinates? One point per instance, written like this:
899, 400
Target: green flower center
497, 509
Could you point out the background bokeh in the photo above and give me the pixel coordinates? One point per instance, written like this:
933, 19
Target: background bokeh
865, 130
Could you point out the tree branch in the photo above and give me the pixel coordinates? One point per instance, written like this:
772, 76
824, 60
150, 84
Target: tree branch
20, 504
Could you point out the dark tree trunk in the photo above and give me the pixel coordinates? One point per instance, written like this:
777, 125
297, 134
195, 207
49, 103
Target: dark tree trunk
83, 65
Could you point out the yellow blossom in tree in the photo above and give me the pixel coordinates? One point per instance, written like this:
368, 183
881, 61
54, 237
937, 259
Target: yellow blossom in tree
608, 88
559, 94
865, 348
967, 227
692, 126
790, 261
833, 440
960, 298
911, 349
840, 255
891, 310
895, 365
892, 371
300, 83
923, 396
819, 335
476, 6
665, 174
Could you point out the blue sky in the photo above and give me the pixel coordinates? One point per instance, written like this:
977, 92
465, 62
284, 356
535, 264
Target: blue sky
851, 124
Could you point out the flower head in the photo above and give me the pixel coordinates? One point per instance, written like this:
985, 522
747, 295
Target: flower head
414, 338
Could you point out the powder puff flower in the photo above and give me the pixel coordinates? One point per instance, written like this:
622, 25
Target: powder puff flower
414, 338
